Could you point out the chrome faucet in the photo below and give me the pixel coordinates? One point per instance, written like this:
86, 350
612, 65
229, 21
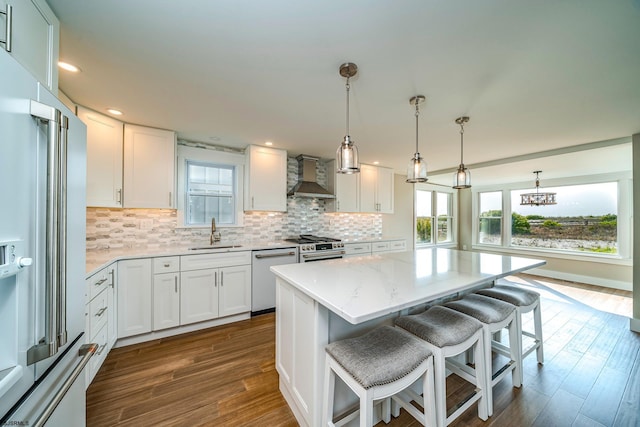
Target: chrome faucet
215, 235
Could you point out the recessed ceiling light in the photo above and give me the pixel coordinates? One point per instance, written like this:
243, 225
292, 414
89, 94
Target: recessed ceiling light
114, 111
68, 67
269, 143
214, 138
376, 163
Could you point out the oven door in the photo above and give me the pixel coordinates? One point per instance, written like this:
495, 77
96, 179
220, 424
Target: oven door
321, 256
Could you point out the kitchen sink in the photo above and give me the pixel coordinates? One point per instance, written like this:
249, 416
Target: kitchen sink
201, 248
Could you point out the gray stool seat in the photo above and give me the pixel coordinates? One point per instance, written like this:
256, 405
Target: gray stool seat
516, 296
483, 308
448, 333
440, 326
379, 357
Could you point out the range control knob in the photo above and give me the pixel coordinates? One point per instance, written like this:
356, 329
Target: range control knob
24, 262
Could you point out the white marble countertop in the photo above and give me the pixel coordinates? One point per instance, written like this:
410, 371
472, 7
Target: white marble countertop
99, 258
364, 288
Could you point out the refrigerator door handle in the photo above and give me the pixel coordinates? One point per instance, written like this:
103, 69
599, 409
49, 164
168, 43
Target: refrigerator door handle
55, 262
86, 352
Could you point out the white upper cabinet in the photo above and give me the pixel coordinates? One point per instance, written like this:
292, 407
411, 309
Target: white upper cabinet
104, 159
34, 38
149, 167
266, 179
370, 191
346, 188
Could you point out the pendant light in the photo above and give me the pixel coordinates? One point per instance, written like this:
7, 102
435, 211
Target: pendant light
347, 153
538, 198
462, 177
417, 169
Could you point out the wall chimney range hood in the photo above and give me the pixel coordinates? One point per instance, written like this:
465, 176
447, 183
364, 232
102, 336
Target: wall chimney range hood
307, 185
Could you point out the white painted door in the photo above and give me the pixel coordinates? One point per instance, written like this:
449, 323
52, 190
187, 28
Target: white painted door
368, 177
104, 159
235, 290
166, 301
198, 295
35, 38
266, 179
384, 190
134, 297
149, 167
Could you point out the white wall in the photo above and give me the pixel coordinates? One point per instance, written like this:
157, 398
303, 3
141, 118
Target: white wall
400, 223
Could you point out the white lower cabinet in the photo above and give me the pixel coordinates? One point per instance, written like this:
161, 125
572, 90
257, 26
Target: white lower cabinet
389, 246
100, 314
134, 297
199, 295
166, 300
207, 293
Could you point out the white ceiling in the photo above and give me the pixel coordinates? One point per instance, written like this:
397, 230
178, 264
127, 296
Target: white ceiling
533, 76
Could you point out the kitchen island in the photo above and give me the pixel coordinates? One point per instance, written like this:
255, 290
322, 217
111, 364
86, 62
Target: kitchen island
317, 303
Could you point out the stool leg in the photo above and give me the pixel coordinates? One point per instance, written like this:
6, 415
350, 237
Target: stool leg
366, 410
488, 386
537, 321
440, 379
429, 401
386, 410
515, 348
481, 378
329, 390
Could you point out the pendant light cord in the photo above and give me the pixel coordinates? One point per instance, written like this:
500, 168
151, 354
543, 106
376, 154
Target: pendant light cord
348, 86
461, 142
417, 114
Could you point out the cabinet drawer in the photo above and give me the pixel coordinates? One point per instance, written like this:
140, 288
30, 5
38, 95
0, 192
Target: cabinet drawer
204, 261
96, 361
98, 313
398, 245
380, 247
167, 264
357, 248
98, 282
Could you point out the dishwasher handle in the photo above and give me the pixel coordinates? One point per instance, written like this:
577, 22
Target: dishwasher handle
260, 256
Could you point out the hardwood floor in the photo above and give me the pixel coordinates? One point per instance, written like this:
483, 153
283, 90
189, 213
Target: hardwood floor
225, 376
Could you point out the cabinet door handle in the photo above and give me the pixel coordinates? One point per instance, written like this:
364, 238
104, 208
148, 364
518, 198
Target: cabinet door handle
101, 312
251, 202
167, 265
119, 196
102, 347
175, 283
170, 204
113, 278
215, 279
100, 282
222, 278
8, 32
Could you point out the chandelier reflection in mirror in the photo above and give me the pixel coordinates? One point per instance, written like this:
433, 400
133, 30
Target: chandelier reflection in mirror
347, 153
417, 169
538, 198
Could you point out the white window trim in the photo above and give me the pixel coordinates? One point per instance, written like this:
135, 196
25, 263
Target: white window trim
435, 188
215, 157
625, 218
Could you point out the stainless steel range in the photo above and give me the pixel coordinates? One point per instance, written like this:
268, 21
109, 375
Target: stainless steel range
316, 248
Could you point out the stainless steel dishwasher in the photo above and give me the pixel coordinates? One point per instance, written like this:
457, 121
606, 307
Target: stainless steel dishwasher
263, 281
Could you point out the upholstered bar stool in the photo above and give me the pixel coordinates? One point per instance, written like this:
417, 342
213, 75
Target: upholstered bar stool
494, 315
379, 365
525, 302
448, 333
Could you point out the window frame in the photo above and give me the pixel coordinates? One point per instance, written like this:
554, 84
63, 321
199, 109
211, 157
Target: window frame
453, 206
624, 209
213, 157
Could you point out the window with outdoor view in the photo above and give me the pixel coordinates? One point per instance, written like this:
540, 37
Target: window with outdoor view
210, 193
584, 219
434, 207
490, 221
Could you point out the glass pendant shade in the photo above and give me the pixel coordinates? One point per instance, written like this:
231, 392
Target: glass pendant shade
462, 178
347, 157
417, 169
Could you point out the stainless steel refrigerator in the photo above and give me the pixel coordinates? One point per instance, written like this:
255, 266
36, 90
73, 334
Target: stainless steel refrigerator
42, 255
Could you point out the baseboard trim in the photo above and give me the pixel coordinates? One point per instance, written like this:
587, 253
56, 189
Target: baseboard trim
590, 280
